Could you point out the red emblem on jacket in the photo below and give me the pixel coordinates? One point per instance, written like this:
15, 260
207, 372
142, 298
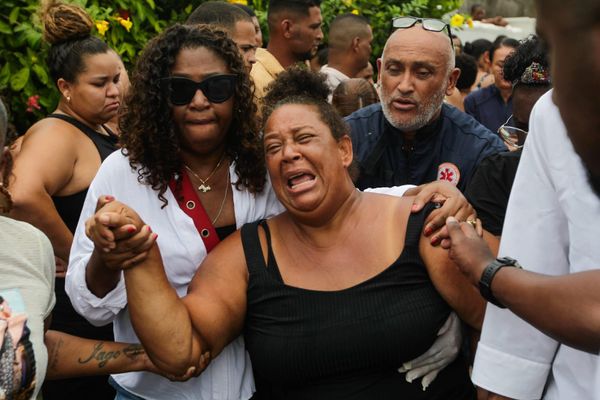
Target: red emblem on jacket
448, 172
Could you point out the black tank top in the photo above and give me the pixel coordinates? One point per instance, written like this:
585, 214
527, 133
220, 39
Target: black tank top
69, 207
346, 344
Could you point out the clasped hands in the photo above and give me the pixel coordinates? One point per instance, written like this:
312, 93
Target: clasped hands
121, 239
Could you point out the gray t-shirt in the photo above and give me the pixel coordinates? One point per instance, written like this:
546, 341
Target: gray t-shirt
27, 282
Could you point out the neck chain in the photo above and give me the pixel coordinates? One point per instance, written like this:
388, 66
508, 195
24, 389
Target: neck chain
214, 221
204, 186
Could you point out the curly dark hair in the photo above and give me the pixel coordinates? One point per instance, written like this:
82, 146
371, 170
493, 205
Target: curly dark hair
533, 49
301, 86
150, 138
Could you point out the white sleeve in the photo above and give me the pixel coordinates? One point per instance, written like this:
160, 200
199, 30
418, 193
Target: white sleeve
392, 191
513, 358
98, 311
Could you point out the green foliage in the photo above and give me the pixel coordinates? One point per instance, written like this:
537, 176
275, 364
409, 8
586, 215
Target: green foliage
23, 70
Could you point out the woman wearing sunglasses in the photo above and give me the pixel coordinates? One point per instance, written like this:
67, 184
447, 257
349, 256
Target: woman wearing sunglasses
527, 68
192, 166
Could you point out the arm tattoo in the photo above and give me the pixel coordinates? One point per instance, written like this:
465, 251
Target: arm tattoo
134, 350
53, 354
102, 357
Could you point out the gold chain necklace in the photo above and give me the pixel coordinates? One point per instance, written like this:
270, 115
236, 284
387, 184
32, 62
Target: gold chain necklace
222, 201
205, 187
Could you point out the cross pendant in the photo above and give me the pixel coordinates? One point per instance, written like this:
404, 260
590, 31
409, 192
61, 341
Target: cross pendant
204, 188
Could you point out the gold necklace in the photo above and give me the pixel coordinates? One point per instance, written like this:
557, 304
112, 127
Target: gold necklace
222, 201
205, 187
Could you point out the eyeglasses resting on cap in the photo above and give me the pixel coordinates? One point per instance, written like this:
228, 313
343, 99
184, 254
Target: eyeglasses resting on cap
429, 24
217, 88
514, 137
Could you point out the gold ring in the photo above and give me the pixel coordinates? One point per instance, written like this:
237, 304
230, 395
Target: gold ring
472, 222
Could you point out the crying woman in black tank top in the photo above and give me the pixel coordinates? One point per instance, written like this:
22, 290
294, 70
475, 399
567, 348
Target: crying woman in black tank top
332, 296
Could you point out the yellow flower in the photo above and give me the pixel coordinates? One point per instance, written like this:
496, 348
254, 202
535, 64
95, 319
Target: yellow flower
125, 23
355, 11
244, 2
470, 22
102, 27
457, 20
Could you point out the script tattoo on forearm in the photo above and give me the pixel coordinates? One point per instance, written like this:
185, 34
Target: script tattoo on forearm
101, 356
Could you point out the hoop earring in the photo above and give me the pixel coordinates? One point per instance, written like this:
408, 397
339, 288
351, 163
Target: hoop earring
6, 202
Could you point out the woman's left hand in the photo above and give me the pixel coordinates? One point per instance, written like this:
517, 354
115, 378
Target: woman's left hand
453, 204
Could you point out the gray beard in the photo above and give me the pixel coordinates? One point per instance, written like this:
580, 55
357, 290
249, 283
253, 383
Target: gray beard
426, 112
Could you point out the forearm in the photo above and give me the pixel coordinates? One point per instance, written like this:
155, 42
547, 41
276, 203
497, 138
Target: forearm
70, 356
159, 317
462, 297
99, 279
566, 308
38, 210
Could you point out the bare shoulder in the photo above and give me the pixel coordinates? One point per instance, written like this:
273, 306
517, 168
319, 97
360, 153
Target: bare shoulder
51, 134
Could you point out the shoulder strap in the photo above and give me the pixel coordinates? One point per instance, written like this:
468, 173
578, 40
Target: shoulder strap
73, 121
253, 250
105, 144
191, 205
414, 226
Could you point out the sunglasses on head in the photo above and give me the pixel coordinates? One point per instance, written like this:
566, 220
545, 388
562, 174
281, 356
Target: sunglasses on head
429, 24
217, 88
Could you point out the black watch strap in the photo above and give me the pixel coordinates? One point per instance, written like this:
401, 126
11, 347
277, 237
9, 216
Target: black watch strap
485, 282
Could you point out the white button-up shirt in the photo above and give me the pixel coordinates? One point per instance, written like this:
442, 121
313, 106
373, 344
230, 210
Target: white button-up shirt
229, 376
551, 227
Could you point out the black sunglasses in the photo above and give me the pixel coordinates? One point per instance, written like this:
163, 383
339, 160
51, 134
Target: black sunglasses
429, 24
216, 88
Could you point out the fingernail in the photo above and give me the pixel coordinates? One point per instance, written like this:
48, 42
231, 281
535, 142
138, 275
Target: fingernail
148, 228
109, 198
425, 386
131, 229
409, 379
451, 219
414, 207
407, 365
402, 370
155, 236
435, 240
427, 231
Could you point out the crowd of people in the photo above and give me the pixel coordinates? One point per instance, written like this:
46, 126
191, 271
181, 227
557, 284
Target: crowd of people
233, 221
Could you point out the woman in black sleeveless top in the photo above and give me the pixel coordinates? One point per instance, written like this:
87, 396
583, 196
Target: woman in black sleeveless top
58, 157
332, 295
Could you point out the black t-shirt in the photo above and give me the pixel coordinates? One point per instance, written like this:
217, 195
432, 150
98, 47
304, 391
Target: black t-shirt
490, 188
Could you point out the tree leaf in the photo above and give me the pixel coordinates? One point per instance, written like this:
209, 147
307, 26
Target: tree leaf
5, 28
41, 73
14, 15
4, 75
19, 80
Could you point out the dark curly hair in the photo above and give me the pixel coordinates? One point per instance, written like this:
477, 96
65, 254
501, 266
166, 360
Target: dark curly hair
150, 138
301, 86
533, 49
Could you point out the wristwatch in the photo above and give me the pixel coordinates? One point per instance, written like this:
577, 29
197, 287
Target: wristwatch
485, 282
